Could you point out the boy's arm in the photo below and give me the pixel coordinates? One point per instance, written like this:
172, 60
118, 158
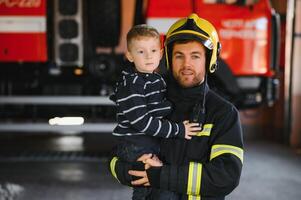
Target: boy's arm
133, 102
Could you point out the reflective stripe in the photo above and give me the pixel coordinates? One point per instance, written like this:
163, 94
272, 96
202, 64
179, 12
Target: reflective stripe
199, 178
220, 149
207, 42
206, 130
22, 24
112, 167
194, 180
191, 197
190, 172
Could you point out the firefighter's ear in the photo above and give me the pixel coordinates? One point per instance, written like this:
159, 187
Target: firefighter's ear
129, 56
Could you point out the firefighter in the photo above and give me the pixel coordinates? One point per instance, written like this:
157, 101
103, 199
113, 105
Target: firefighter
209, 165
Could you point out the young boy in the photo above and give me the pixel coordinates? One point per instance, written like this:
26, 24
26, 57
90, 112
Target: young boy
141, 102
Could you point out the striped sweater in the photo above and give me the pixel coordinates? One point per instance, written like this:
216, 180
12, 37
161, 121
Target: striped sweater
142, 106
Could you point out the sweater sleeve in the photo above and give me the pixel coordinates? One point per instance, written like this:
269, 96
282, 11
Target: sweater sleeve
132, 102
215, 178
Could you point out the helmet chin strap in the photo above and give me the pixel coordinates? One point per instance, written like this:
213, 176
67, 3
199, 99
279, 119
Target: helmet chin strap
212, 68
198, 113
202, 80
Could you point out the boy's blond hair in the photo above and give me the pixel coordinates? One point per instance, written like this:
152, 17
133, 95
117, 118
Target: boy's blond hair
141, 30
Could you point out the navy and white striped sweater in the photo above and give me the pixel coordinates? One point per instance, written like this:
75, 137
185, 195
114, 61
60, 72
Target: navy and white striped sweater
142, 106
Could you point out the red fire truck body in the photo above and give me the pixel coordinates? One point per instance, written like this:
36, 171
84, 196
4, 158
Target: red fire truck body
23, 31
248, 35
59, 57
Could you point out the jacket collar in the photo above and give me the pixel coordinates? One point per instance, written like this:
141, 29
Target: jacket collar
176, 93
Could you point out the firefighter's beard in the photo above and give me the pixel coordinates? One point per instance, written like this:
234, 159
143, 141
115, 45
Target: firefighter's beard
188, 81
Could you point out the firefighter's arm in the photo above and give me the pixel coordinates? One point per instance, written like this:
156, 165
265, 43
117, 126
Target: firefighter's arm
120, 169
217, 177
221, 175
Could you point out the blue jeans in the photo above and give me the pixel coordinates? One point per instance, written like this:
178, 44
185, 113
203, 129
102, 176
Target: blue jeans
163, 195
130, 152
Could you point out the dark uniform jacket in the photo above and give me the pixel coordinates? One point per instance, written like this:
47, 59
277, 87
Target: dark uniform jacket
206, 167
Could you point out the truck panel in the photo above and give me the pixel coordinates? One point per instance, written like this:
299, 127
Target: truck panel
23, 31
243, 30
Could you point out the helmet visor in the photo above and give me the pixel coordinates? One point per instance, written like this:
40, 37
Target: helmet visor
190, 35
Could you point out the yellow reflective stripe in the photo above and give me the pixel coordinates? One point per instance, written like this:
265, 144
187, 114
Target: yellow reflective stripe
194, 179
190, 175
206, 130
192, 197
220, 149
112, 166
199, 178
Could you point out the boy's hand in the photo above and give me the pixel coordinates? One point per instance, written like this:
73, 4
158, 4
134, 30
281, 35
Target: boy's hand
154, 161
191, 129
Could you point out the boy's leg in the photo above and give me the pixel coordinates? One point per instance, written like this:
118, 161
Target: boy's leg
130, 153
141, 193
164, 195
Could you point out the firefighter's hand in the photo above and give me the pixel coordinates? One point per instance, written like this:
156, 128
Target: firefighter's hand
150, 160
154, 161
143, 181
144, 157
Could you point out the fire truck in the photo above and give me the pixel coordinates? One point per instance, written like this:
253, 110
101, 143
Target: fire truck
59, 59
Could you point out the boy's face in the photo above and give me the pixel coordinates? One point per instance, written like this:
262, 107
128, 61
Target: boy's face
146, 53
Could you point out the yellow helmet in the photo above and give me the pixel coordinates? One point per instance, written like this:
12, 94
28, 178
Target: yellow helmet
195, 28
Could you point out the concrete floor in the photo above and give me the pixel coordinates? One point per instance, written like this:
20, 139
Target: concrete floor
271, 171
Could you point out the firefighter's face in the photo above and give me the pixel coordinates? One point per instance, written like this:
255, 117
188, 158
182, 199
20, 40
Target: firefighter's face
146, 53
188, 63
